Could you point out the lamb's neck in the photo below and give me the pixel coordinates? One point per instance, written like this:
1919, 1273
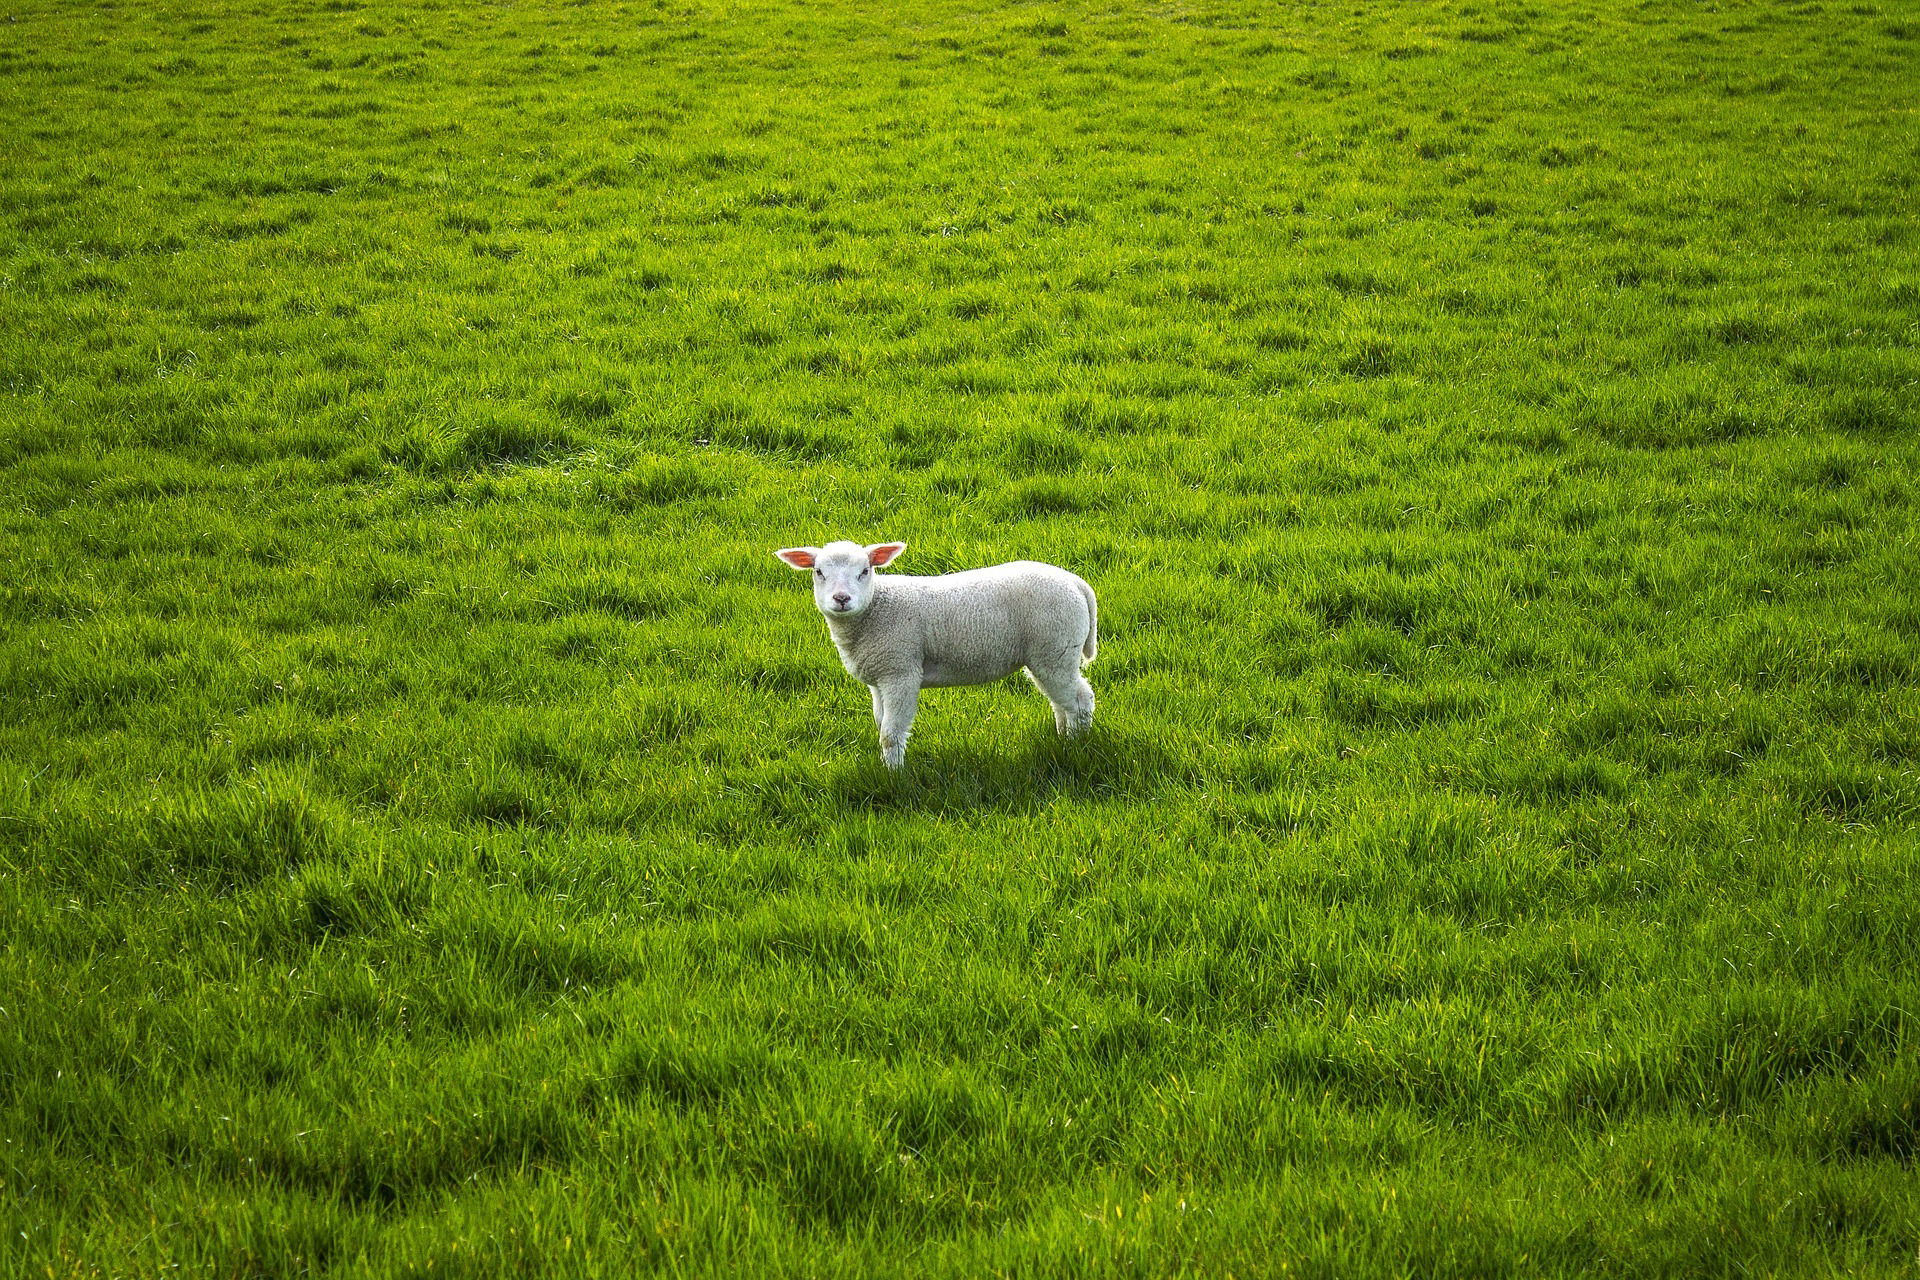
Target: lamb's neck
848, 630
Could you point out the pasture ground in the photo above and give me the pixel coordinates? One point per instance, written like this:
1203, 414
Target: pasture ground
437, 839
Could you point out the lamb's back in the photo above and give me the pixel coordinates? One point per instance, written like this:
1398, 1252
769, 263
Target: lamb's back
981, 624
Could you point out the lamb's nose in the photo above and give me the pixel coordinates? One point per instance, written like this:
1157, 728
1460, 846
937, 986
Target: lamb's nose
841, 598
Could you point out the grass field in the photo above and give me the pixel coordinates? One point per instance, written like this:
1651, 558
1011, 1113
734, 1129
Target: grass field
437, 838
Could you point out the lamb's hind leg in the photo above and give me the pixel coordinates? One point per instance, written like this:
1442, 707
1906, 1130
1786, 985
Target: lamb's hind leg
1072, 697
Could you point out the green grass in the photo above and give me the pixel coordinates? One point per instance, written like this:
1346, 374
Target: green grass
437, 838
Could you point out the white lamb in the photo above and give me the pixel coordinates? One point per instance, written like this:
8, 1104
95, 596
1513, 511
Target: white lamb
900, 634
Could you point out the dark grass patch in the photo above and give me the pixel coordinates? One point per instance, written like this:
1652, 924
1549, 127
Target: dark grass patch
542, 962
540, 752
1385, 599
409, 1163
805, 440
629, 600
1549, 780
840, 1174
1038, 449
504, 795
694, 1073
1751, 1052
665, 718
1869, 413
1365, 703
1367, 358
1886, 1127
817, 936
1038, 499
1856, 793
587, 404
234, 835
658, 483
508, 436
1673, 417
1101, 416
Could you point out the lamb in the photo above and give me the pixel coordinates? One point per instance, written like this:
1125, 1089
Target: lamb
899, 634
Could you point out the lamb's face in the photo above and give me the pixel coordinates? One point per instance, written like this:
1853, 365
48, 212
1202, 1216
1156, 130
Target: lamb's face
843, 573
842, 579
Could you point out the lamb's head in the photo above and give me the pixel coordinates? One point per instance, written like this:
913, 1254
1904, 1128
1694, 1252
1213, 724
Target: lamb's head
843, 573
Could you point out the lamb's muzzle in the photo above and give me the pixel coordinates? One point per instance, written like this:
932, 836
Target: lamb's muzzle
901, 634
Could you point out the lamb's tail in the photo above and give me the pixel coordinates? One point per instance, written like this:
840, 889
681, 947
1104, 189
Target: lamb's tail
1092, 645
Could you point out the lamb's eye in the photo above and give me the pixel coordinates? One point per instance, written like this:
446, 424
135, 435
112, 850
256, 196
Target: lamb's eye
865, 572
819, 574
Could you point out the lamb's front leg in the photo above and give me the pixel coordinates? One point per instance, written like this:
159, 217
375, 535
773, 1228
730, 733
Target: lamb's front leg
894, 702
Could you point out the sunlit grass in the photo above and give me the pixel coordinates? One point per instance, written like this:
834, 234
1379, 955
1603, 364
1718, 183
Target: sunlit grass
437, 837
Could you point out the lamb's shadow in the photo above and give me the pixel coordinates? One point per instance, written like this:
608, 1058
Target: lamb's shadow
1104, 764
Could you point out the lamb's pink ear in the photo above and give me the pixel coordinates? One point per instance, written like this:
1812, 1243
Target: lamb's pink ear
799, 557
880, 553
